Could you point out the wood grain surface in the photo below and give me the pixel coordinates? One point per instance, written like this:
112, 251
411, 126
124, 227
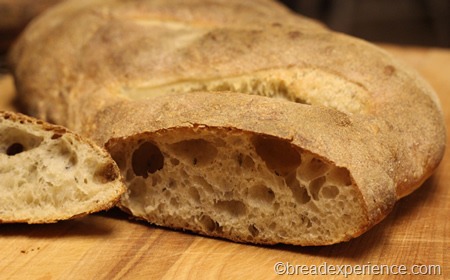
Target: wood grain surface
109, 246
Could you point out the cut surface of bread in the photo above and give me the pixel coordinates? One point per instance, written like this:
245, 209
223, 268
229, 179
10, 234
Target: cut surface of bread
48, 173
182, 91
239, 185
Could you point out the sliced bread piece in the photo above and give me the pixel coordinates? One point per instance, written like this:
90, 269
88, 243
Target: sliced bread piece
48, 173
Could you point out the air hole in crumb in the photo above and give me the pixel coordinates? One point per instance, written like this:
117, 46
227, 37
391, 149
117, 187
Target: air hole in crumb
73, 159
138, 191
56, 136
253, 230
147, 159
299, 192
273, 226
306, 220
315, 186
315, 220
276, 206
208, 224
234, 208
193, 193
174, 202
240, 159
16, 141
162, 207
282, 233
106, 173
199, 180
315, 168
167, 193
118, 157
65, 149
245, 162
174, 161
339, 176
198, 152
14, 149
261, 194
172, 184
329, 192
155, 180
278, 154
248, 163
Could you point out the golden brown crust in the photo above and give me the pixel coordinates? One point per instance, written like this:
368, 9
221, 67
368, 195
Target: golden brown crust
104, 58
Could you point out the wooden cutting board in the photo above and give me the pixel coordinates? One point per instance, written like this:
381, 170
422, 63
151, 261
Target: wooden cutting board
108, 246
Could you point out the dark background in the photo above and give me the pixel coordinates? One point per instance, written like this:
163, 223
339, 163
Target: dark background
406, 22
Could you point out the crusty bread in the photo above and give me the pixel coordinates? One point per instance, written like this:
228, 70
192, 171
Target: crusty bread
234, 118
48, 173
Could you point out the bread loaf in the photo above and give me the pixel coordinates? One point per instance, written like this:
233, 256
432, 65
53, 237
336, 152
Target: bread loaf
235, 119
48, 173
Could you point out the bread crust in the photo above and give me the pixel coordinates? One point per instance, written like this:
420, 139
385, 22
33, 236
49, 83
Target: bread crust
105, 60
